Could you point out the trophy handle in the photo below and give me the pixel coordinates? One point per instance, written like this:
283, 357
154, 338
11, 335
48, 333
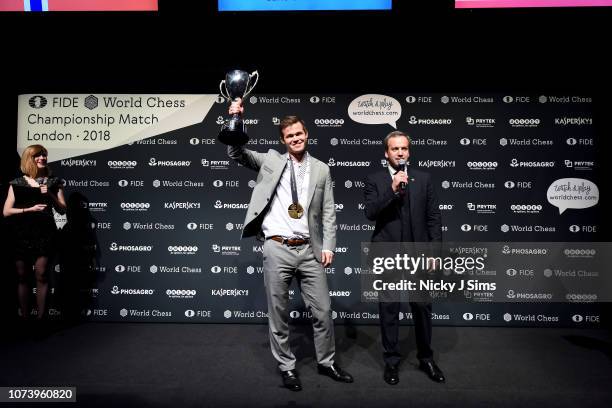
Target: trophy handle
224, 94
251, 87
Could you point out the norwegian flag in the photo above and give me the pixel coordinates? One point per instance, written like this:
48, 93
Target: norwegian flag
78, 5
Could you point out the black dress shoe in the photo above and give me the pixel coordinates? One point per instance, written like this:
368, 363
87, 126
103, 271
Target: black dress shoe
432, 371
335, 372
291, 380
391, 374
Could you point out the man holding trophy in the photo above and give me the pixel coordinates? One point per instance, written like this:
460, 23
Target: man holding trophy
292, 209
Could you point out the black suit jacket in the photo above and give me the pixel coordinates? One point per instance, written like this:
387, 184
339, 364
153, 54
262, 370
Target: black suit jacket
385, 207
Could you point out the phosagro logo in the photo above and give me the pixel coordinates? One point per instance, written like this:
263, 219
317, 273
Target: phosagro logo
130, 248
530, 164
335, 163
153, 162
430, 121
122, 164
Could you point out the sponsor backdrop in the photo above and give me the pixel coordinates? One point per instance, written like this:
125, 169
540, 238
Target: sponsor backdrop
158, 206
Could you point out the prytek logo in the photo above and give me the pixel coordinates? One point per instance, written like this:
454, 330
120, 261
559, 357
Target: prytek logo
122, 164
531, 164
219, 205
130, 248
95, 207
77, 163
579, 165
526, 208
335, 163
482, 165
215, 164
181, 293
329, 122
226, 249
37, 102
480, 122
482, 208
153, 162
574, 121
524, 122
135, 206
430, 121
183, 249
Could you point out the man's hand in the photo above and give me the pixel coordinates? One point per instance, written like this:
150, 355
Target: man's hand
326, 258
397, 179
236, 107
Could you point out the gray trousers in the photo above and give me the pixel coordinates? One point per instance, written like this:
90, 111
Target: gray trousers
280, 265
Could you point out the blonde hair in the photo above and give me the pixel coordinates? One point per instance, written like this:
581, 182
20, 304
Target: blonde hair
28, 165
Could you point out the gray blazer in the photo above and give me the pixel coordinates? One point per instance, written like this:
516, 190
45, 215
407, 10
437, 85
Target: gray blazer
321, 208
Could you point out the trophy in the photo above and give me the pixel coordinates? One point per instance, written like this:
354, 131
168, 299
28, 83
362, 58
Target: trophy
237, 84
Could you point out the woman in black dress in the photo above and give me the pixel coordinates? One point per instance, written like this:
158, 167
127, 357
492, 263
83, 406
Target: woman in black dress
29, 205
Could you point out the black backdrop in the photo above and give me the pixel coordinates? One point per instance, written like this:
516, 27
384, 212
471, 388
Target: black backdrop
187, 48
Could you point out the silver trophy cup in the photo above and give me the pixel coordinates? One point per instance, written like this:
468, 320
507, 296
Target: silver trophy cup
237, 84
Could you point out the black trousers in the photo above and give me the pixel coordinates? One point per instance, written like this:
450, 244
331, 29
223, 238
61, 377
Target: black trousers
389, 325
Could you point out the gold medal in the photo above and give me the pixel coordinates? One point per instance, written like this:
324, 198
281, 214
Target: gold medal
295, 211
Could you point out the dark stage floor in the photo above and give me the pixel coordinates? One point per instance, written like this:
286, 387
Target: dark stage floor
198, 365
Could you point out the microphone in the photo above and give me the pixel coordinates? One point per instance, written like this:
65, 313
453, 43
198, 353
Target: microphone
402, 167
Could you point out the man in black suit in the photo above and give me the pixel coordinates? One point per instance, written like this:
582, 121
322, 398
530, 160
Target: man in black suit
405, 209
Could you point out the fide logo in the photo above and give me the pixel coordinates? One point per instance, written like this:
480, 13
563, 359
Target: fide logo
574, 228
465, 141
189, 313
577, 318
122, 183
315, 99
468, 316
192, 226
194, 141
466, 228
511, 272
37, 102
509, 184
220, 99
294, 314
